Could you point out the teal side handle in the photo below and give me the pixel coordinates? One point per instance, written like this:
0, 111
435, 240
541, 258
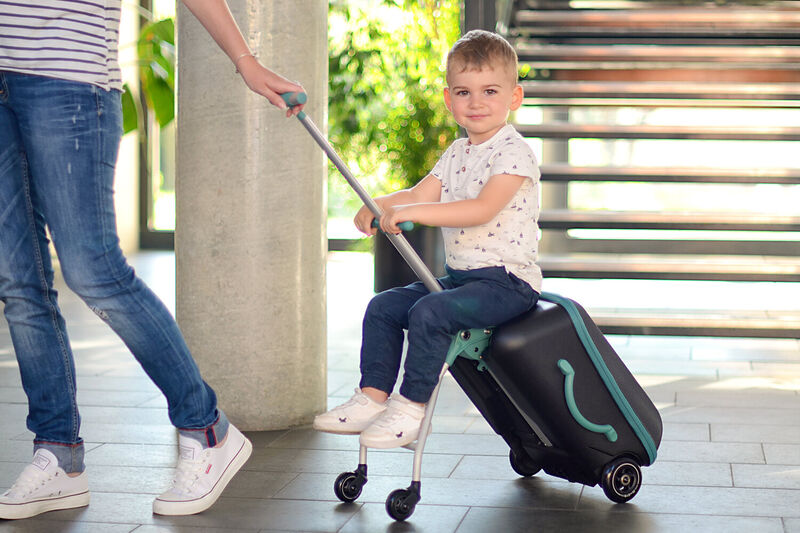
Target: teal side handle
293, 99
605, 374
470, 343
405, 226
569, 394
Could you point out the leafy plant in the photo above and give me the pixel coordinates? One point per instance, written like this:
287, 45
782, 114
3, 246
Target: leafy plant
156, 50
386, 112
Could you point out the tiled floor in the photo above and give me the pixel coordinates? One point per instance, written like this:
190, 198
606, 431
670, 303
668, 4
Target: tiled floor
729, 461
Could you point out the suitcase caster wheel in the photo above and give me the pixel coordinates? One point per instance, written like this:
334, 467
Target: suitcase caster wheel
522, 464
621, 480
401, 503
347, 487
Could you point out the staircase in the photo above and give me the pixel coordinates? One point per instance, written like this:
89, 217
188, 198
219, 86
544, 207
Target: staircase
638, 109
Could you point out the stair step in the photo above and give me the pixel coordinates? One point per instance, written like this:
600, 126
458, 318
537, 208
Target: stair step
744, 94
547, 5
663, 266
695, 21
693, 322
681, 57
649, 131
566, 173
659, 220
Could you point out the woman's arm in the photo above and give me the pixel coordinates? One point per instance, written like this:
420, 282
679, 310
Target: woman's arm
216, 18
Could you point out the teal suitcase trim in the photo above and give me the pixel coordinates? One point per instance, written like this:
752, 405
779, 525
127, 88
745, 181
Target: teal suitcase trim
605, 374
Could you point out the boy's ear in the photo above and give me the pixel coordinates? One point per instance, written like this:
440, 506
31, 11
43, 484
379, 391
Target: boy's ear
447, 99
516, 97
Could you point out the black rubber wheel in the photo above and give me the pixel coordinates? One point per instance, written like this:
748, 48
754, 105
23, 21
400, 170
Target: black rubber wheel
621, 479
346, 487
522, 464
398, 506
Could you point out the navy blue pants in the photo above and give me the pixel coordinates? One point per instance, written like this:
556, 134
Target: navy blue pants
471, 299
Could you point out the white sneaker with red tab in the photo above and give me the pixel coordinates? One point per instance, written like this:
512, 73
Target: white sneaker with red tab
202, 474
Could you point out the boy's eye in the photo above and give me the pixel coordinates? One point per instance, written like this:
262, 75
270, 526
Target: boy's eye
491, 91
462, 92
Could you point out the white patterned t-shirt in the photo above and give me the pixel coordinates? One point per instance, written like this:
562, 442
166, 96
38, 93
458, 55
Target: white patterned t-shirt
511, 238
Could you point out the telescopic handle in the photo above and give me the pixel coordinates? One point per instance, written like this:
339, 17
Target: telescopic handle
399, 241
293, 99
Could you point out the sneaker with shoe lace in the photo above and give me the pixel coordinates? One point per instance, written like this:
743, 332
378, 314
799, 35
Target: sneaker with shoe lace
398, 426
351, 417
202, 473
43, 486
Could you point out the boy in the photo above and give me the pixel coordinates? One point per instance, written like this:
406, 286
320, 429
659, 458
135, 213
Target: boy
483, 192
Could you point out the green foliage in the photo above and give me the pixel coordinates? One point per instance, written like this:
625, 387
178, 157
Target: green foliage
387, 116
156, 50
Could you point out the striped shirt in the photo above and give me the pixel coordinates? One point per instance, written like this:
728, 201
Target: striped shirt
73, 40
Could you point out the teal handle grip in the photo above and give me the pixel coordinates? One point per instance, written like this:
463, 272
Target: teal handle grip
405, 226
569, 395
293, 99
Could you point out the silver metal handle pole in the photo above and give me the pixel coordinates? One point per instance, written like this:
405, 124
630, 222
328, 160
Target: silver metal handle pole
399, 241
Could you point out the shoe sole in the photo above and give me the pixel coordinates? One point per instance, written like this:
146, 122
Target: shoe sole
27, 510
181, 508
336, 430
383, 445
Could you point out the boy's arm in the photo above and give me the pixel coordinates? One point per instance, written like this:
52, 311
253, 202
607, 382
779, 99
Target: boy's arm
427, 190
494, 196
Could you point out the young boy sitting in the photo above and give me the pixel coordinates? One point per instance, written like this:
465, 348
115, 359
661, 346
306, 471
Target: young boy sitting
483, 193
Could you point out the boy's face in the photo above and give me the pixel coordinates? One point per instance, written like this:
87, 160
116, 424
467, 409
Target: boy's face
480, 100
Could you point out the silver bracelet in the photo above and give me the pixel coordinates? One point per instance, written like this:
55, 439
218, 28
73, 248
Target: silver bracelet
236, 61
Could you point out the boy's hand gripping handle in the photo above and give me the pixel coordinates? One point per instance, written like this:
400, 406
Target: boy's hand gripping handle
399, 242
405, 226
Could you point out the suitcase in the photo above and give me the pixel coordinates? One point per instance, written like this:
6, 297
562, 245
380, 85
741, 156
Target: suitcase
547, 382
552, 386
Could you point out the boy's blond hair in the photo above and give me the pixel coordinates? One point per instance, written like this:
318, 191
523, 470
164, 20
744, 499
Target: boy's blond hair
479, 49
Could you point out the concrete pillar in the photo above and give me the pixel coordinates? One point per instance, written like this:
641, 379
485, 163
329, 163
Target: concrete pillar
250, 237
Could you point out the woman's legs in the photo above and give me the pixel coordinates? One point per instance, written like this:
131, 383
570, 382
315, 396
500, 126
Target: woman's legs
69, 134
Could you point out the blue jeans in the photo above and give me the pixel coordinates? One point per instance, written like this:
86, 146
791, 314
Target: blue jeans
58, 147
471, 299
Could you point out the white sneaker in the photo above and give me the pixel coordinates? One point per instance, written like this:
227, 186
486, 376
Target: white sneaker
398, 426
202, 474
352, 417
43, 486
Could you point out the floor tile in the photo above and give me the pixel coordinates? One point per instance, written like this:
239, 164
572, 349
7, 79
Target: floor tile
730, 415
40, 525
775, 434
686, 431
782, 454
792, 525
712, 501
702, 452
767, 476
288, 515
372, 518
688, 474
478, 520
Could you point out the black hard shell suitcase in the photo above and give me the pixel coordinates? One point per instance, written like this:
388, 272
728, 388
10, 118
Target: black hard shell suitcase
539, 388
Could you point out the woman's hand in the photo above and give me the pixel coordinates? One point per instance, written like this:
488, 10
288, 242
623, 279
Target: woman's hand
269, 84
